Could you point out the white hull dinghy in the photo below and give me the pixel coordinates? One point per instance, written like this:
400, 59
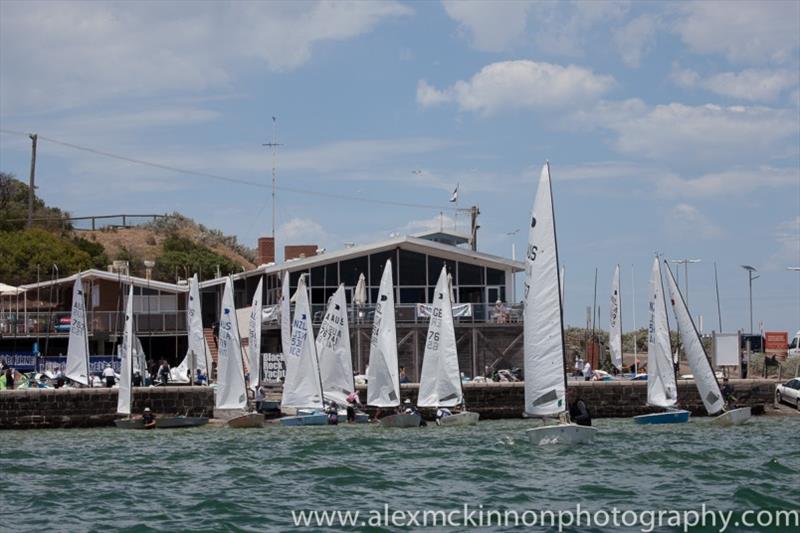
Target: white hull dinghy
249, 420
467, 418
402, 420
543, 329
734, 417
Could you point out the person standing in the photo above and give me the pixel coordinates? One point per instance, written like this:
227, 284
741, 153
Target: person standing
163, 372
109, 376
587, 371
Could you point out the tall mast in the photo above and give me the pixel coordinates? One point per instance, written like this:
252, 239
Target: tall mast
274, 144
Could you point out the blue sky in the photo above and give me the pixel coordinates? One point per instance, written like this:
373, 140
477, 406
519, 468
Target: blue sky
670, 127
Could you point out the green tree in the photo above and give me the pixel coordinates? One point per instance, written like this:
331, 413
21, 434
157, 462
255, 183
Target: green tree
22, 251
185, 257
14, 207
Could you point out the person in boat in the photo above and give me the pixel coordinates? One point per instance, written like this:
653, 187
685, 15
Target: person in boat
579, 413
109, 376
333, 414
149, 418
727, 391
200, 378
352, 401
443, 412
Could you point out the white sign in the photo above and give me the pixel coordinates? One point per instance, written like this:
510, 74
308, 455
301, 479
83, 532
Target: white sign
274, 367
424, 310
725, 349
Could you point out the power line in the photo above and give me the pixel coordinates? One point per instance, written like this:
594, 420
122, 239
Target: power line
179, 170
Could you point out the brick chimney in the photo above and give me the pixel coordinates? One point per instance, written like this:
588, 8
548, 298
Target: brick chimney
266, 250
299, 251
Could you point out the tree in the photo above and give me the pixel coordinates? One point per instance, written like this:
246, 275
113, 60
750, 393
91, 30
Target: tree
14, 207
22, 251
185, 257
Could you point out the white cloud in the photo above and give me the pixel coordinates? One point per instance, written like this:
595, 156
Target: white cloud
686, 219
564, 27
787, 236
510, 85
70, 54
301, 231
754, 32
757, 85
705, 132
732, 182
636, 38
492, 26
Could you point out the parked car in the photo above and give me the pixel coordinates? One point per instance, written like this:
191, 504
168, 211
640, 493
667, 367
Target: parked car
789, 393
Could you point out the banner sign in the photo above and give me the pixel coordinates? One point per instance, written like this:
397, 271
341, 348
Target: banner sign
274, 367
459, 310
28, 362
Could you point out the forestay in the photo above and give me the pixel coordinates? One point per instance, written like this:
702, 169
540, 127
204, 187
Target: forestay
231, 393
698, 360
661, 389
383, 380
77, 366
545, 387
440, 383
254, 338
125, 392
302, 387
615, 325
333, 350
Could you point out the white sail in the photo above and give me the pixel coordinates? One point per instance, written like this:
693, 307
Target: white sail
302, 387
545, 387
440, 383
615, 325
198, 348
77, 367
286, 317
383, 380
231, 393
661, 389
563, 288
698, 360
254, 338
333, 350
125, 393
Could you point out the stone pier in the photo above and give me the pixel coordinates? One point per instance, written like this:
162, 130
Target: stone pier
48, 408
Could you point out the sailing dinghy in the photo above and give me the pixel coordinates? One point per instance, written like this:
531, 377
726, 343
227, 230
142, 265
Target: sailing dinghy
704, 376
545, 369
383, 375
197, 353
302, 388
125, 390
77, 367
662, 391
335, 356
230, 400
440, 383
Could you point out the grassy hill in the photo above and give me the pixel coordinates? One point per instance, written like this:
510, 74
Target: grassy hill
178, 245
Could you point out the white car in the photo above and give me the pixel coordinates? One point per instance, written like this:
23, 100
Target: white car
789, 393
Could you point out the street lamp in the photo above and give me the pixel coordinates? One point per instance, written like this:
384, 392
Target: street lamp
685, 263
750, 278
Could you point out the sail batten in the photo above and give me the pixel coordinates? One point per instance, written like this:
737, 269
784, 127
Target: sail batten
440, 383
302, 386
704, 376
77, 366
545, 380
661, 387
383, 380
230, 393
333, 350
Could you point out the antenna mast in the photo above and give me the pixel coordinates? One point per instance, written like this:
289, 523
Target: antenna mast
274, 144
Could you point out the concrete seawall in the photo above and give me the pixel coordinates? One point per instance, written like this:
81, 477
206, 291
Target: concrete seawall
48, 408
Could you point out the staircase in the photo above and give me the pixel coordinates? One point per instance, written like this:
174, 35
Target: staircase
208, 333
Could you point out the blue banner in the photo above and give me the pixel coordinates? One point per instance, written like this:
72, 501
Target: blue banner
28, 362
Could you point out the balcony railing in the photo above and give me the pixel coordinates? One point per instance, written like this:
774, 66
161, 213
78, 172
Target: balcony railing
98, 322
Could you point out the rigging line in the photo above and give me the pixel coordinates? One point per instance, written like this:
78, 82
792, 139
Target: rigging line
229, 179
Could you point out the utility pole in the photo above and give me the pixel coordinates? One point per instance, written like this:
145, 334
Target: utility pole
685, 263
32, 181
474, 212
274, 144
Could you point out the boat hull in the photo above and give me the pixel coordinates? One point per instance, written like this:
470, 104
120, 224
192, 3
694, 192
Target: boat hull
313, 419
131, 423
250, 420
678, 416
174, 422
733, 417
402, 420
467, 418
564, 434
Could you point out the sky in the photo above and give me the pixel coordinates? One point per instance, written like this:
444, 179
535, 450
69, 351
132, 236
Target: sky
669, 127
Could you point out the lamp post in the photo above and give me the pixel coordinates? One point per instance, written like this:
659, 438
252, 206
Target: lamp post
685, 263
750, 278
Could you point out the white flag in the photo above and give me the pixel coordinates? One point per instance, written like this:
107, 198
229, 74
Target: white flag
454, 197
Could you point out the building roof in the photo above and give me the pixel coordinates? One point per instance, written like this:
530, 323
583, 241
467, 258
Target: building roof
10, 290
444, 236
111, 276
406, 242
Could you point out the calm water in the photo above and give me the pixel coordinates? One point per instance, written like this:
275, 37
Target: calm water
224, 479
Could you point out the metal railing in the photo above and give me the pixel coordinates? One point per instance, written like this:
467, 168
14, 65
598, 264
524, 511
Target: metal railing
98, 322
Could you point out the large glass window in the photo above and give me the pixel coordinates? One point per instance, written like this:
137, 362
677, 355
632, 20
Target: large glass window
495, 277
435, 268
332, 274
294, 277
412, 268
469, 274
376, 264
412, 295
470, 295
352, 268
